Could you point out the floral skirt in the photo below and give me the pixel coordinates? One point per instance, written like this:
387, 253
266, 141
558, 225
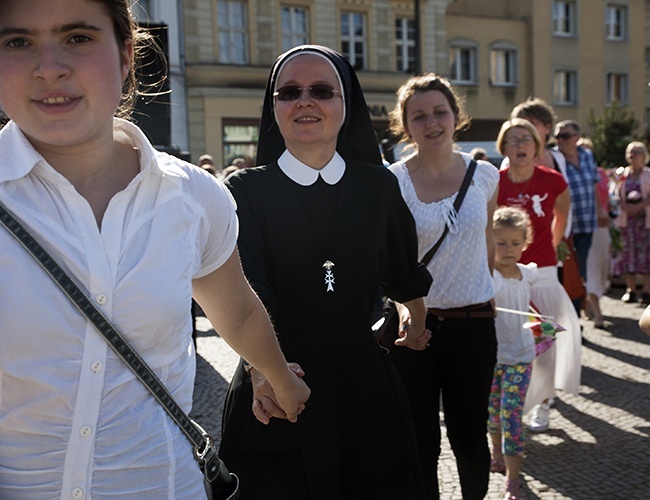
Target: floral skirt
635, 256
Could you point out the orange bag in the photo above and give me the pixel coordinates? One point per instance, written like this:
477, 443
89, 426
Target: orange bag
571, 279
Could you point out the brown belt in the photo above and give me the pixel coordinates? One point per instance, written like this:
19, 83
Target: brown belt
473, 311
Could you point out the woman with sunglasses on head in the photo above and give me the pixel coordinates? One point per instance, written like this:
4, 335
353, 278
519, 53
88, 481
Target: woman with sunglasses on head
142, 232
460, 361
544, 195
322, 227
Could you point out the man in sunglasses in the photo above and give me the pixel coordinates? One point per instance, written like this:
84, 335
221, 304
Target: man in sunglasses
585, 204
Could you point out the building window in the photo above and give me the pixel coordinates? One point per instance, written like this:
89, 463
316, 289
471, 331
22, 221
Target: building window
564, 18
617, 88
503, 65
353, 38
646, 57
239, 139
294, 25
233, 34
565, 88
462, 56
616, 22
405, 44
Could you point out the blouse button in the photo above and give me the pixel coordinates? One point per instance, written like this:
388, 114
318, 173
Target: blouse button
85, 431
77, 493
101, 299
96, 366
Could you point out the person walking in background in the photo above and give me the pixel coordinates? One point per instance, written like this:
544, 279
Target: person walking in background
460, 360
542, 116
479, 154
206, 162
598, 261
633, 194
544, 195
322, 227
141, 231
586, 207
516, 351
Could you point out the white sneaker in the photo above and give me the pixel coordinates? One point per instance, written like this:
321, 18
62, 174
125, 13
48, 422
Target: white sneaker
539, 418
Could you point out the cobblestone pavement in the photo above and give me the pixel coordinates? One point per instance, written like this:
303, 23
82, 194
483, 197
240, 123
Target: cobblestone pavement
598, 445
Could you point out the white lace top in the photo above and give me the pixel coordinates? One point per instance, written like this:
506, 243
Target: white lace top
460, 271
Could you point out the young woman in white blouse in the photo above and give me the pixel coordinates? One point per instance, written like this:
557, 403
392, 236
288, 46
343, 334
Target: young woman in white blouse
141, 231
460, 359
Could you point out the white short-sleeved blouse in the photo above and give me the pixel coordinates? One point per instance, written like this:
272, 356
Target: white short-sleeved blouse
461, 275
516, 343
74, 422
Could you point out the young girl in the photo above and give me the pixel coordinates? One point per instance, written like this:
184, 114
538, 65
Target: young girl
141, 231
516, 348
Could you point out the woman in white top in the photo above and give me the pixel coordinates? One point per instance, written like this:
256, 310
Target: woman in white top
462, 353
141, 232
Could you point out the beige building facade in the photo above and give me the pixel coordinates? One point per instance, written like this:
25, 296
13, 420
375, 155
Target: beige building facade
578, 55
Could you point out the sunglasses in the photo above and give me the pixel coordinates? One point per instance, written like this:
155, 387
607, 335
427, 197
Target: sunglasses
565, 135
320, 92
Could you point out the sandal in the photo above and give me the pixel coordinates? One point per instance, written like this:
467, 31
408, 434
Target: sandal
513, 490
498, 465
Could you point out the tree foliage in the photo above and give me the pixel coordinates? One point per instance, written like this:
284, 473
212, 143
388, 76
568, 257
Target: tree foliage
611, 132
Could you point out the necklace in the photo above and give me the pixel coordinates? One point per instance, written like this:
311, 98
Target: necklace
521, 190
316, 229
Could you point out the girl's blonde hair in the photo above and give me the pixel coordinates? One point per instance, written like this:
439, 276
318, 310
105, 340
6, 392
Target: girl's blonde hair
513, 218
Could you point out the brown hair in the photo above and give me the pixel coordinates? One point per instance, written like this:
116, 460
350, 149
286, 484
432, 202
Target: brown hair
126, 27
424, 83
535, 108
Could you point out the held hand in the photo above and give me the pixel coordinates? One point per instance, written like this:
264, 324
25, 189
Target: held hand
292, 395
412, 335
417, 342
266, 404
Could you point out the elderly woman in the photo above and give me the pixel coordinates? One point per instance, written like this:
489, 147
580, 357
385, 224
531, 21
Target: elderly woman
323, 226
633, 193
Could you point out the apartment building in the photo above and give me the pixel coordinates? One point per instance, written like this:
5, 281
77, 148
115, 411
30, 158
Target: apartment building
578, 55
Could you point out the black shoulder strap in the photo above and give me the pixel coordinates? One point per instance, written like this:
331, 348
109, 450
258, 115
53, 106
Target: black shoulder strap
457, 203
204, 450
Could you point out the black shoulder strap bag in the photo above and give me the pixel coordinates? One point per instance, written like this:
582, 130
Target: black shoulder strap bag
219, 482
387, 332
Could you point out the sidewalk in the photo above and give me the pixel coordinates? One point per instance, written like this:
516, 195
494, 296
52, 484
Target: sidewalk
598, 446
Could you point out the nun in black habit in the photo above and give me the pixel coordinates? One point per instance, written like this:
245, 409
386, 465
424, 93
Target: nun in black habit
322, 227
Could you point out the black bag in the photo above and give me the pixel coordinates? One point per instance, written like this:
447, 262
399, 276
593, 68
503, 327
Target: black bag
387, 332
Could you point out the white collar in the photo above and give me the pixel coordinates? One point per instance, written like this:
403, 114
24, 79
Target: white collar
18, 157
305, 175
